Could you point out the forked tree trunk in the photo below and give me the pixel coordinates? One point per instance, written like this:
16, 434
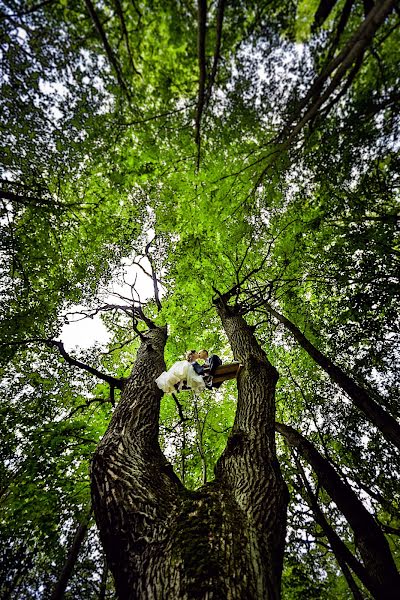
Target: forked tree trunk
222, 541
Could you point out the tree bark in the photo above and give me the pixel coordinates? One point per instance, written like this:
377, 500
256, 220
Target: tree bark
369, 539
249, 466
162, 541
372, 410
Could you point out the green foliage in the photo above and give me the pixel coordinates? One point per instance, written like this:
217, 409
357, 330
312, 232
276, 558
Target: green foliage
99, 156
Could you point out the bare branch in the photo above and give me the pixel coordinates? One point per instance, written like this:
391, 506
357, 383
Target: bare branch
112, 381
158, 116
182, 417
87, 404
138, 312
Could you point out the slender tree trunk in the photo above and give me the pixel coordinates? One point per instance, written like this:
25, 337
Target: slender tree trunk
200, 445
389, 427
103, 582
162, 541
342, 554
66, 572
369, 539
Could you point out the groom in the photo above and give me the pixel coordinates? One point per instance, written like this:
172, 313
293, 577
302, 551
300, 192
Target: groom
207, 370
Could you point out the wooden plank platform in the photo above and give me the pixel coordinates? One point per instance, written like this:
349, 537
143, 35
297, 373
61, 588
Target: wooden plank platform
225, 372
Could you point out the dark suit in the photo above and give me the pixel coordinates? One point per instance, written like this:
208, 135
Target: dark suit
198, 368
214, 361
209, 367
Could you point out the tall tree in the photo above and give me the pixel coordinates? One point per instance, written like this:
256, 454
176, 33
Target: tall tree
243, 153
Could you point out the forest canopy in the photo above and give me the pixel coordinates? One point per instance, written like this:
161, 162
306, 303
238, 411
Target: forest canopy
242, 158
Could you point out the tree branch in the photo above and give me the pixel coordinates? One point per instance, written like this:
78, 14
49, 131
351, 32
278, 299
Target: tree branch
112, 381
217, 50
201, 51
153, 274
323, 11
109, 51
353, 52
182, 417
343, 555
29, 10
120, 14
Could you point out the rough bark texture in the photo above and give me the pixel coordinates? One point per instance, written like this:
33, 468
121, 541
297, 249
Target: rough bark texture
372, 410
224, 541
249, 467
383, 578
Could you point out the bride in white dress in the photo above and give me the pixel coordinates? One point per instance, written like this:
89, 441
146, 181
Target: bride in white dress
181, 371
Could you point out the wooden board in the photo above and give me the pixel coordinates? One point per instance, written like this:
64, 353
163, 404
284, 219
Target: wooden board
225, 372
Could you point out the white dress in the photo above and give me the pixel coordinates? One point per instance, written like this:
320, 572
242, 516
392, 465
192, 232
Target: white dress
179, 372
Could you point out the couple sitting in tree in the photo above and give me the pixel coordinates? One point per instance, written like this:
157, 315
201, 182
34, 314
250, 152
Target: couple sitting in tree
197, 376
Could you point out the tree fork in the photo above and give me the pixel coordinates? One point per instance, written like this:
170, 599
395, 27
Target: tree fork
162, 541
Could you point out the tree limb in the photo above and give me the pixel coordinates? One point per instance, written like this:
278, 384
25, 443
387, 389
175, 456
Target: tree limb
112, 381
182, 417
29, 10
153, 274
217, 50
120, 14
353, 52
323, 11
109, 51
342, 554
201, 51
373, 410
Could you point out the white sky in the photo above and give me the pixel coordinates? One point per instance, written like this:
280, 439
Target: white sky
83, 333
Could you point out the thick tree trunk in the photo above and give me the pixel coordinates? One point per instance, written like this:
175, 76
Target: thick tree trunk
372, 410
249, 466
384, 580
164, 542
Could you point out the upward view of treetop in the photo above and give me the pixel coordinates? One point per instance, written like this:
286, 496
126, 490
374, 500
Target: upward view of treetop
240, 161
